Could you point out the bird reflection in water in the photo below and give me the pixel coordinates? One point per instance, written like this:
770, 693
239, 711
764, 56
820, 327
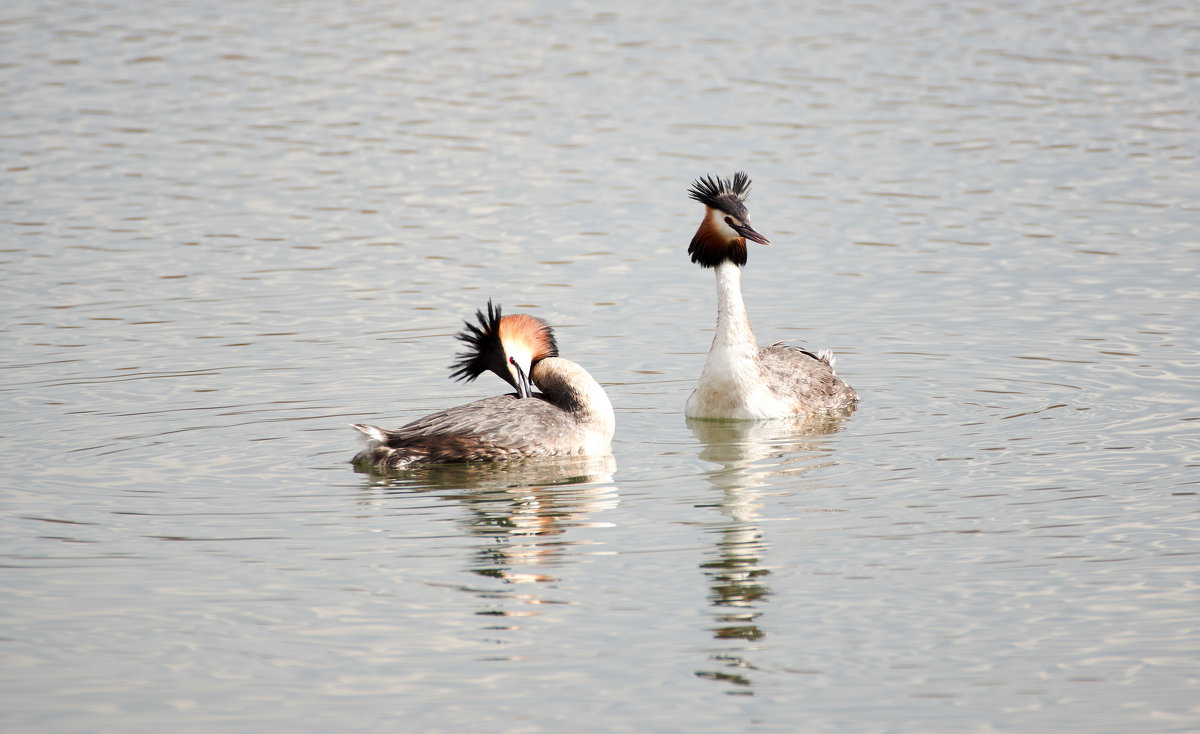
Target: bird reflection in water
529, 522
750, 455
523, 509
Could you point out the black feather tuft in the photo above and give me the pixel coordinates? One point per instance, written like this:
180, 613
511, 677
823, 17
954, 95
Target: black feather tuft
727, 195
483, 346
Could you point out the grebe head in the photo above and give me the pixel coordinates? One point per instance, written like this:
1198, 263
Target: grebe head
507, 345
726, 227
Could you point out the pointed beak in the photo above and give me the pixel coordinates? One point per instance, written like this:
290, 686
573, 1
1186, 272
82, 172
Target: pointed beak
748, 232
523, 389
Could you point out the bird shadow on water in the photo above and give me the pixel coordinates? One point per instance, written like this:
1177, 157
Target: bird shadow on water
523, 510
751, 455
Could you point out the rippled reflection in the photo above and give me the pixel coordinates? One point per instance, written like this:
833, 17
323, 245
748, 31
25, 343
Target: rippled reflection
524, 510
749, 452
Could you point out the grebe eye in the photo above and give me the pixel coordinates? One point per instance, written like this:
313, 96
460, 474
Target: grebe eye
729, 221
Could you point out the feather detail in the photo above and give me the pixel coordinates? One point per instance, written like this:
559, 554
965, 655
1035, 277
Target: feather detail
713, 245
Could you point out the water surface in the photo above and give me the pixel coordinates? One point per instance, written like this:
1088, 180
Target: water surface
230, 230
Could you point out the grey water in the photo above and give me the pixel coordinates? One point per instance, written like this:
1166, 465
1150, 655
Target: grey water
228, 230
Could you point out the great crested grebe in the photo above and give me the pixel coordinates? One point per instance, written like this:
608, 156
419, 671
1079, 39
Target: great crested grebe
739, 380
571, 416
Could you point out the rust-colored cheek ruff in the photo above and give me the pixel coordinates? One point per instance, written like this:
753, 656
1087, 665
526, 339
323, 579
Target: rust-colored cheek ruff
710, 248
531, 332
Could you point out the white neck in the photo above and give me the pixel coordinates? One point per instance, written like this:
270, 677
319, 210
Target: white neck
733, 324
573, 389
731, 385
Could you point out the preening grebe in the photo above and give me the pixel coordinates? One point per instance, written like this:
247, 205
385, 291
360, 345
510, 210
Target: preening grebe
571, 416
740, 380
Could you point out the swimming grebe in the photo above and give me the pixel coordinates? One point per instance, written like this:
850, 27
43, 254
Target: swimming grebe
571, 416
740, 380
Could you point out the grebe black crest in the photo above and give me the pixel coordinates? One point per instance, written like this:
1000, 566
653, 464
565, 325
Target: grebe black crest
739, 380
571, 416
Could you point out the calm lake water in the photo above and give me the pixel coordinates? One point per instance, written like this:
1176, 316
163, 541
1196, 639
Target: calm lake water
231, 229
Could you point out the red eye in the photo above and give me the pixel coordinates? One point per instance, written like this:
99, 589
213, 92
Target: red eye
729, 221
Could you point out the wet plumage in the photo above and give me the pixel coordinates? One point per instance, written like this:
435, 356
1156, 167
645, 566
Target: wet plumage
739, 380
570, 416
